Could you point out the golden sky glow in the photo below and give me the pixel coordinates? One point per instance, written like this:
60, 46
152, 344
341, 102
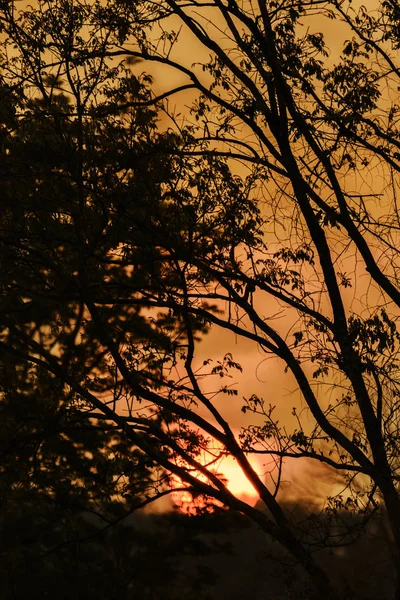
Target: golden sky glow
232, 475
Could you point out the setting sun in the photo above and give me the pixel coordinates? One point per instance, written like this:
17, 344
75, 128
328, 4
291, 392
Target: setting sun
237, 482
230, 472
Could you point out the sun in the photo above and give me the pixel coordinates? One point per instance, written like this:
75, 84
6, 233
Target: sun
235, 480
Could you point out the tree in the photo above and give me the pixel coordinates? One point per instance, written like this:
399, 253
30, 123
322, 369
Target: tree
70, 481
122, 245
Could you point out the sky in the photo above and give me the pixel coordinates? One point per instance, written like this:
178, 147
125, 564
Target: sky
263, 376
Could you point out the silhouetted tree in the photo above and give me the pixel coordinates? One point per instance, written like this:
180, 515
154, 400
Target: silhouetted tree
275, 195
69, 481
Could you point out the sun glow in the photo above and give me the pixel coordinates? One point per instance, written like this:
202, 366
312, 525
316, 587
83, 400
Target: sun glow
237, 482
231, 475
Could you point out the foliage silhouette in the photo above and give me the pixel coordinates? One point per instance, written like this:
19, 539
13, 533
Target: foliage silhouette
122, 244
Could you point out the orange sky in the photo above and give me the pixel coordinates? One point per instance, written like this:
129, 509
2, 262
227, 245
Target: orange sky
261, 376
